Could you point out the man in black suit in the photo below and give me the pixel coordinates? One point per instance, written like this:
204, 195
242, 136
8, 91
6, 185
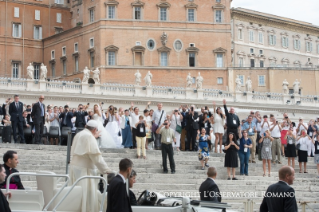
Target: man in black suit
192, 127
232, 120
15, 111
66, 117
280, 197
117, 197
208, 190
80, 117
37, 114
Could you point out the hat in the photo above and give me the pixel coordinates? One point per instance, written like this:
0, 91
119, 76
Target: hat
92, 123
300, 117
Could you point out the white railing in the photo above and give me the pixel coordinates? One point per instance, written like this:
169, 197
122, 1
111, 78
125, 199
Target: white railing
129, 90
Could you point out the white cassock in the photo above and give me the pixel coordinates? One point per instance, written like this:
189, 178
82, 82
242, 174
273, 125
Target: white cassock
87, 160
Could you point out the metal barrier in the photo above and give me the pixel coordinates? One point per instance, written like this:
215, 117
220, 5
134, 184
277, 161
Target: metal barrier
76, 182
68, 152
42, 175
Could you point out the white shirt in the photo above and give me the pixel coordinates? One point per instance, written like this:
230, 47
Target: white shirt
157, 115
275, 133
264, 128
286, 125
302, 128
135, 119
122, 178
305, 144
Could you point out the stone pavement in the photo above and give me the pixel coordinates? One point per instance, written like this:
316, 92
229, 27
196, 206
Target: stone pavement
185, 182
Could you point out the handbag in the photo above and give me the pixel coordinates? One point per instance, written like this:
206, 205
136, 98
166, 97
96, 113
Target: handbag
155, 126
178, 127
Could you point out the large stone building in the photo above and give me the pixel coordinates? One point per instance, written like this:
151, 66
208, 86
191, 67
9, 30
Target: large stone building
168, 38
265, 40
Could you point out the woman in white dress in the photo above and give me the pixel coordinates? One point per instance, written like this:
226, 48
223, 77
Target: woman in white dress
106, 140
113, 127
47, 119
176, 118
219, 122
54, 121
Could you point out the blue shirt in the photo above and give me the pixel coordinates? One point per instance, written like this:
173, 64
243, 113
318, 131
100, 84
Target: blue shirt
242, 144
246, 127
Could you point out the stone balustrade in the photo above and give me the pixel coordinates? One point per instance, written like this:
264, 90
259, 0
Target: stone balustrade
158, 92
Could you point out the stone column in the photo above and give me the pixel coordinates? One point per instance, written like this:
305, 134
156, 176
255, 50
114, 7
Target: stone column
85, 88
231, 86
30, 85
200, 94
138, 90
43, 85
189, 92
149, 91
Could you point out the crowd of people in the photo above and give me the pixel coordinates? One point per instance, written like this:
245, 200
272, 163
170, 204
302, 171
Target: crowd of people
182, 129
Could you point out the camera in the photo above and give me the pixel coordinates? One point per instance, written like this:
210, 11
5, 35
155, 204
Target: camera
88, 104
264, 134
165, 124
206, 108
175, 111
286, 117
102, 103
192, 108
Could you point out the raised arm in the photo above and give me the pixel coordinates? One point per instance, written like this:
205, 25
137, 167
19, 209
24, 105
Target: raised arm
225, 107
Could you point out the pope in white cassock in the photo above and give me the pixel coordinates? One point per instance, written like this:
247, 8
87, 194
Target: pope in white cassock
86, 159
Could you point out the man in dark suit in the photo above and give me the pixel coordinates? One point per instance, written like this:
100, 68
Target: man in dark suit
15, 111
232, 120
66, 117
80, 117
280, 197
208, 190
192, 127
37, 114
117, 197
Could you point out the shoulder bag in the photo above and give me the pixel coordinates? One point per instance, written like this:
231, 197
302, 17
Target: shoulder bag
155, 126
178, 127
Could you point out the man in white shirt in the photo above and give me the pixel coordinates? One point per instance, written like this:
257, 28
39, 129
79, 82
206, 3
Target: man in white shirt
135, 118
158, 118
275, 130
301, 126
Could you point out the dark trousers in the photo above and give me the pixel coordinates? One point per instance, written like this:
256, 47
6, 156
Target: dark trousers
158, 142
19, 125
134, 137
167, 149
191, 138
233, 130
38, 132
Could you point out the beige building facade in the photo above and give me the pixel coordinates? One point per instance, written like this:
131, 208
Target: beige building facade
265, 40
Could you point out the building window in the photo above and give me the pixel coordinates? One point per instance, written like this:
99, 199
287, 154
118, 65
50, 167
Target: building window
37, 15
76, 64
261, 63
219, 80
37, 32
272, 40
191, 59
111, 12
64, 67
297, 44
241, 62
91, 42
151, 44
308, 46
251, 51
261, 52
218, 16
92, 59
240, 34
63, 51
15, 70
91, 15
59, 18
163, 14
317, 48
59, 1
191, 15
218, 1
261, 80
164, 58
76, 47
251, 35
111, 58
137, 13
284, 41
242, 79
52, 55
36, 72
178, 45
16, 30
252, 62
16, 12
220, 60
261, 37
53, 69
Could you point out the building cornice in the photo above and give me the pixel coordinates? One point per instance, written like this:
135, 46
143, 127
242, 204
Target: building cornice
52, 6
270, 21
